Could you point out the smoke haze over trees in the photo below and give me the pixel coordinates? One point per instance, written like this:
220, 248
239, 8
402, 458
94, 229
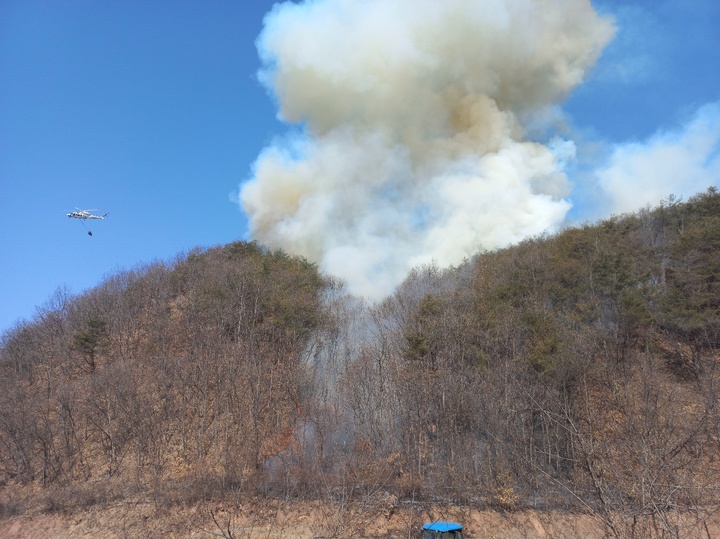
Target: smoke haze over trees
576, 371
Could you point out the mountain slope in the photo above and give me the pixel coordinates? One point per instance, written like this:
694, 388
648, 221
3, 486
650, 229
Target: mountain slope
577, 371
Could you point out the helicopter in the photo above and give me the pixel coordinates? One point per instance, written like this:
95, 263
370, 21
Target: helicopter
83, 215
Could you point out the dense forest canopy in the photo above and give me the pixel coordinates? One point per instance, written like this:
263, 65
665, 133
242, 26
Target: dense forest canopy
577, 371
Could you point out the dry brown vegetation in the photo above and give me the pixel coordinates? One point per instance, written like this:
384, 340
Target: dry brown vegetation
566, 383
274, 519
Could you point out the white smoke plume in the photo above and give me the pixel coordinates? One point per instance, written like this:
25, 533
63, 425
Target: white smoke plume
413, 118
679, 162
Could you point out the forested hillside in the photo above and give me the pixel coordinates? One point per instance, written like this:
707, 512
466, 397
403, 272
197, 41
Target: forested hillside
575, 372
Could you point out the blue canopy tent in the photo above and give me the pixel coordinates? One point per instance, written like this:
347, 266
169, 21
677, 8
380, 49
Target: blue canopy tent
442, 530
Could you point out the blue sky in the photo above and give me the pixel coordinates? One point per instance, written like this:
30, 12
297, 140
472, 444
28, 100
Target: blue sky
153, 111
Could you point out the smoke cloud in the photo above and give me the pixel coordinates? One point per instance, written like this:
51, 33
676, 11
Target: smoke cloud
413, 118
679, 162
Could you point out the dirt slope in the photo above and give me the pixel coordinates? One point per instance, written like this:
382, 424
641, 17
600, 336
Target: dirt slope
289, 520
